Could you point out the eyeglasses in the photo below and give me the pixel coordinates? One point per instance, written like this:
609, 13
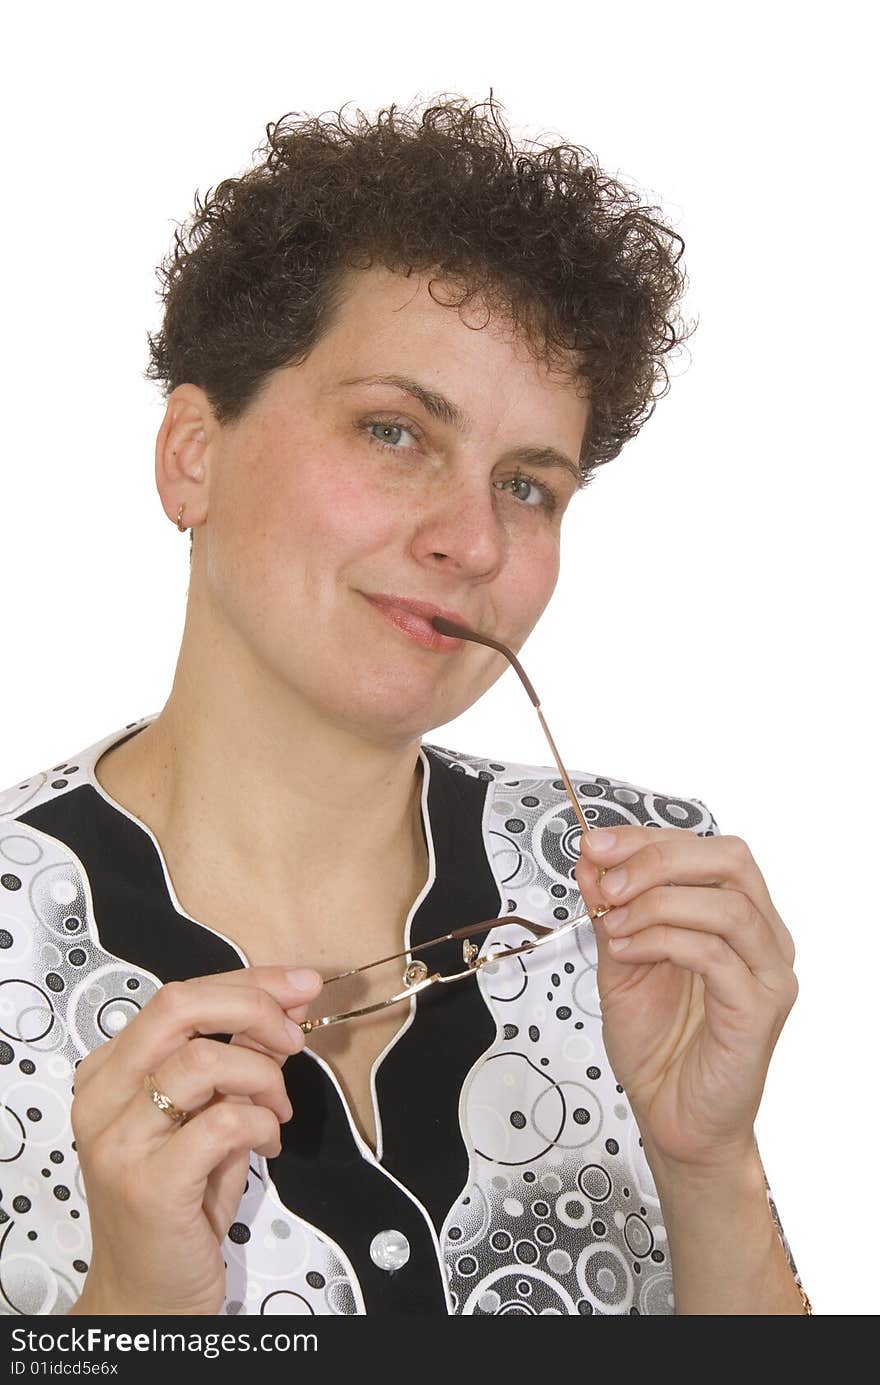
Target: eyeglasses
436, 963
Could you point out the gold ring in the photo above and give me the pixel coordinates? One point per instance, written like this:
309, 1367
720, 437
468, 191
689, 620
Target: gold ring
164, 1102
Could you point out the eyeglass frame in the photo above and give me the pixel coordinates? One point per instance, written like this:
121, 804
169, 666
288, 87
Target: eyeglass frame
416, 977
417, 971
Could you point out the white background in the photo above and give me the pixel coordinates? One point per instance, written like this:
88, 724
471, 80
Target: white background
714, 629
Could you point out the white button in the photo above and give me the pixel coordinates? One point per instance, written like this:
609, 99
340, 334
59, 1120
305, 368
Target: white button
389, 1250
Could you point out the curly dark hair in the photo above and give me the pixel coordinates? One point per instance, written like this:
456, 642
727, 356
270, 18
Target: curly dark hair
566, 252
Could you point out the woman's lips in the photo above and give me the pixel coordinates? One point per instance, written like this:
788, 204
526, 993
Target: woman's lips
419, 628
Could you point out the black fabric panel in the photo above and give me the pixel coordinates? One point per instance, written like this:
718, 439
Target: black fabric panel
419, 1081
133, 911
320, 1174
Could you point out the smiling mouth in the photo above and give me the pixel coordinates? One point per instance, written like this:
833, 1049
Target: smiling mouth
417, 626
436, 631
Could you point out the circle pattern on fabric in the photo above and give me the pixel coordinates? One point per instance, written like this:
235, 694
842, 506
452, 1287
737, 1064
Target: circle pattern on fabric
492, 1133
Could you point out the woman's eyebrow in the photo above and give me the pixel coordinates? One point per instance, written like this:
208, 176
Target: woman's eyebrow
443, 409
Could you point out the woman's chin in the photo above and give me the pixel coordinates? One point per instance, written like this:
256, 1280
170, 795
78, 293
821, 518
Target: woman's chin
394, 714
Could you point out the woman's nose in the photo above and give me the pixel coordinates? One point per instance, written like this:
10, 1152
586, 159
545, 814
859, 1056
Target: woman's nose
462, 528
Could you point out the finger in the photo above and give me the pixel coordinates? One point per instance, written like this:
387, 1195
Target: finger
675, 856
725, 975
293, 988
727, 914
180, 1011
224, 1190
297, 1013
588, 877
608, 846
182, 1166
184, 1010
193, 1076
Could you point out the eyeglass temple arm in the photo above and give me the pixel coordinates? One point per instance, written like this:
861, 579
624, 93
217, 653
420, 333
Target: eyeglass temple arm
468, 931
485, 925
449, 627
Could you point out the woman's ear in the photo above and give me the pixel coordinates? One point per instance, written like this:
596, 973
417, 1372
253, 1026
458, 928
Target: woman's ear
182, 453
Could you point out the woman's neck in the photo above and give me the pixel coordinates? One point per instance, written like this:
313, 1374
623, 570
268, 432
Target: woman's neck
323, 834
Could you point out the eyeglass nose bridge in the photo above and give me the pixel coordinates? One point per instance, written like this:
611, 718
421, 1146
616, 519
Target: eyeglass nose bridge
417, 971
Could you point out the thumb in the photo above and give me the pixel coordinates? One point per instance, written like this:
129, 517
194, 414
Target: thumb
223, 1191
611, 969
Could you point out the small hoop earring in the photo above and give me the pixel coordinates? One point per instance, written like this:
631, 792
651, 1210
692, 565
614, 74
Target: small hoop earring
181, 527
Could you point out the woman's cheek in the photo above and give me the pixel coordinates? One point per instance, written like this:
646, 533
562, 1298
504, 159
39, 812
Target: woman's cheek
532, 582
367, 486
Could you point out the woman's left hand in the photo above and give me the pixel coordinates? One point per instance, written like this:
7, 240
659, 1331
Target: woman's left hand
693, 1006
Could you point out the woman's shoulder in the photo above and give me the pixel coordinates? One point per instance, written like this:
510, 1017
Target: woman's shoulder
605, 799
55, 832
52, 781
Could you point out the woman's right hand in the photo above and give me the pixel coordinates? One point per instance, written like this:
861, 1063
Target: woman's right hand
162, 1195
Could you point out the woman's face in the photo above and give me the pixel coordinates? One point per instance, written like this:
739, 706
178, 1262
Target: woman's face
327, 491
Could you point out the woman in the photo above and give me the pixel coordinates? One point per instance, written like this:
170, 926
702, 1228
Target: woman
392, 353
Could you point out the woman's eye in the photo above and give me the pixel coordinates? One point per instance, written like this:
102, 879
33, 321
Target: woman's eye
532, 494
385, 436
525, 490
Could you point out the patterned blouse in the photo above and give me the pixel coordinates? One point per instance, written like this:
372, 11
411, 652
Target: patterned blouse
509, 1175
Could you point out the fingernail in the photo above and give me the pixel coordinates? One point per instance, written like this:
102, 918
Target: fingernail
615, 881
293, 1029
304, 978
616, 918
599, 841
